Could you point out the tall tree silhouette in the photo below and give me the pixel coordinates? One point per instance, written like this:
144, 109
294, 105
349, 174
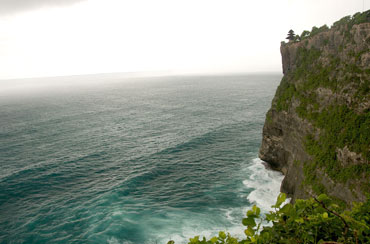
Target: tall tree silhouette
290, 35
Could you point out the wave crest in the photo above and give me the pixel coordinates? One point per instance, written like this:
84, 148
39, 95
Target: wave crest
265, 185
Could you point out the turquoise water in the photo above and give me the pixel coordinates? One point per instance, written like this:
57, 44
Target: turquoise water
142, 160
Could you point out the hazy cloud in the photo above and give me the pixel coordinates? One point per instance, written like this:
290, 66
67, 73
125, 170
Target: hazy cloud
189, 36
15, 6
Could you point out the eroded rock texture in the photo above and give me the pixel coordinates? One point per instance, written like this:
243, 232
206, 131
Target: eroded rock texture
317, 130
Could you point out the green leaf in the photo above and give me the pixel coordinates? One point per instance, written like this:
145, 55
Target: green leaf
249, 221
256, 210
286, 209
271, 217
214, 239
323, 198
334, 206
280, 199
325, 215
251, 213
266, 235
194, 240
222, 235
253, 239
249, 232
299, 220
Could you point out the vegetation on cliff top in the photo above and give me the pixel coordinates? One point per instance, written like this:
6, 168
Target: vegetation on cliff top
347, 22
316, 220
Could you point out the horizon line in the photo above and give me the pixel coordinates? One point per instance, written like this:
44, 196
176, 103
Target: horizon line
132, 74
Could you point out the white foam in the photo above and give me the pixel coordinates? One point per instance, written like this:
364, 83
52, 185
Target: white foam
228, 215
113, 240
265, 184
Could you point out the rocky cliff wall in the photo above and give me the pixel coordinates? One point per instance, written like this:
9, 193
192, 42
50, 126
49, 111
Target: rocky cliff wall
317, 131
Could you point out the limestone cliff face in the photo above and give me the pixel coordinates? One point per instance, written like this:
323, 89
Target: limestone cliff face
317, 131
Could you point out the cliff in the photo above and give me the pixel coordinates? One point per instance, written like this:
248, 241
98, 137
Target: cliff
317, 131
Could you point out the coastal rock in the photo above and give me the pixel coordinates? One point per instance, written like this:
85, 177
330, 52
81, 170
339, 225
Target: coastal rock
324, 73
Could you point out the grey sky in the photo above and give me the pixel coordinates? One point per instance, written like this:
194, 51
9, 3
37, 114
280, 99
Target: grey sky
72, 37
15, 6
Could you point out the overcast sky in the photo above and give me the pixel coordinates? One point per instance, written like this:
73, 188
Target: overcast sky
68, 37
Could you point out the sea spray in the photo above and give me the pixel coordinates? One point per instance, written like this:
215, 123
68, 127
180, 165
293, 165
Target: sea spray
265, 184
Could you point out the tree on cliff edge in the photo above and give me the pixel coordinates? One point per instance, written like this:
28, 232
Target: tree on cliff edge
290, 35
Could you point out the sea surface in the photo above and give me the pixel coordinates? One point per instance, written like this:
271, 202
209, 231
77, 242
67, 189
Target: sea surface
132, 160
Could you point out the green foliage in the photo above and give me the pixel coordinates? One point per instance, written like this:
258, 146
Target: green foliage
345, 23
316, 220
305, 34
340, 127
349, 21
222, 238
285, 93
344, 126
316, 30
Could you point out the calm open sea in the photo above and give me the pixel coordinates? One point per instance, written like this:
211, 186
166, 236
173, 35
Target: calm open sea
133, 160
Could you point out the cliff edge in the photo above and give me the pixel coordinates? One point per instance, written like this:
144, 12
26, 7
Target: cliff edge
317, 131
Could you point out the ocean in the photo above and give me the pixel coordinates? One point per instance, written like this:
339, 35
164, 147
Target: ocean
133, 160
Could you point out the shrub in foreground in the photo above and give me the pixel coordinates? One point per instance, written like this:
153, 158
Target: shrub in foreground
316, 220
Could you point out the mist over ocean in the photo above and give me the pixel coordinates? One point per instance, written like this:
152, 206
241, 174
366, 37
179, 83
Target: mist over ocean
140, 161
